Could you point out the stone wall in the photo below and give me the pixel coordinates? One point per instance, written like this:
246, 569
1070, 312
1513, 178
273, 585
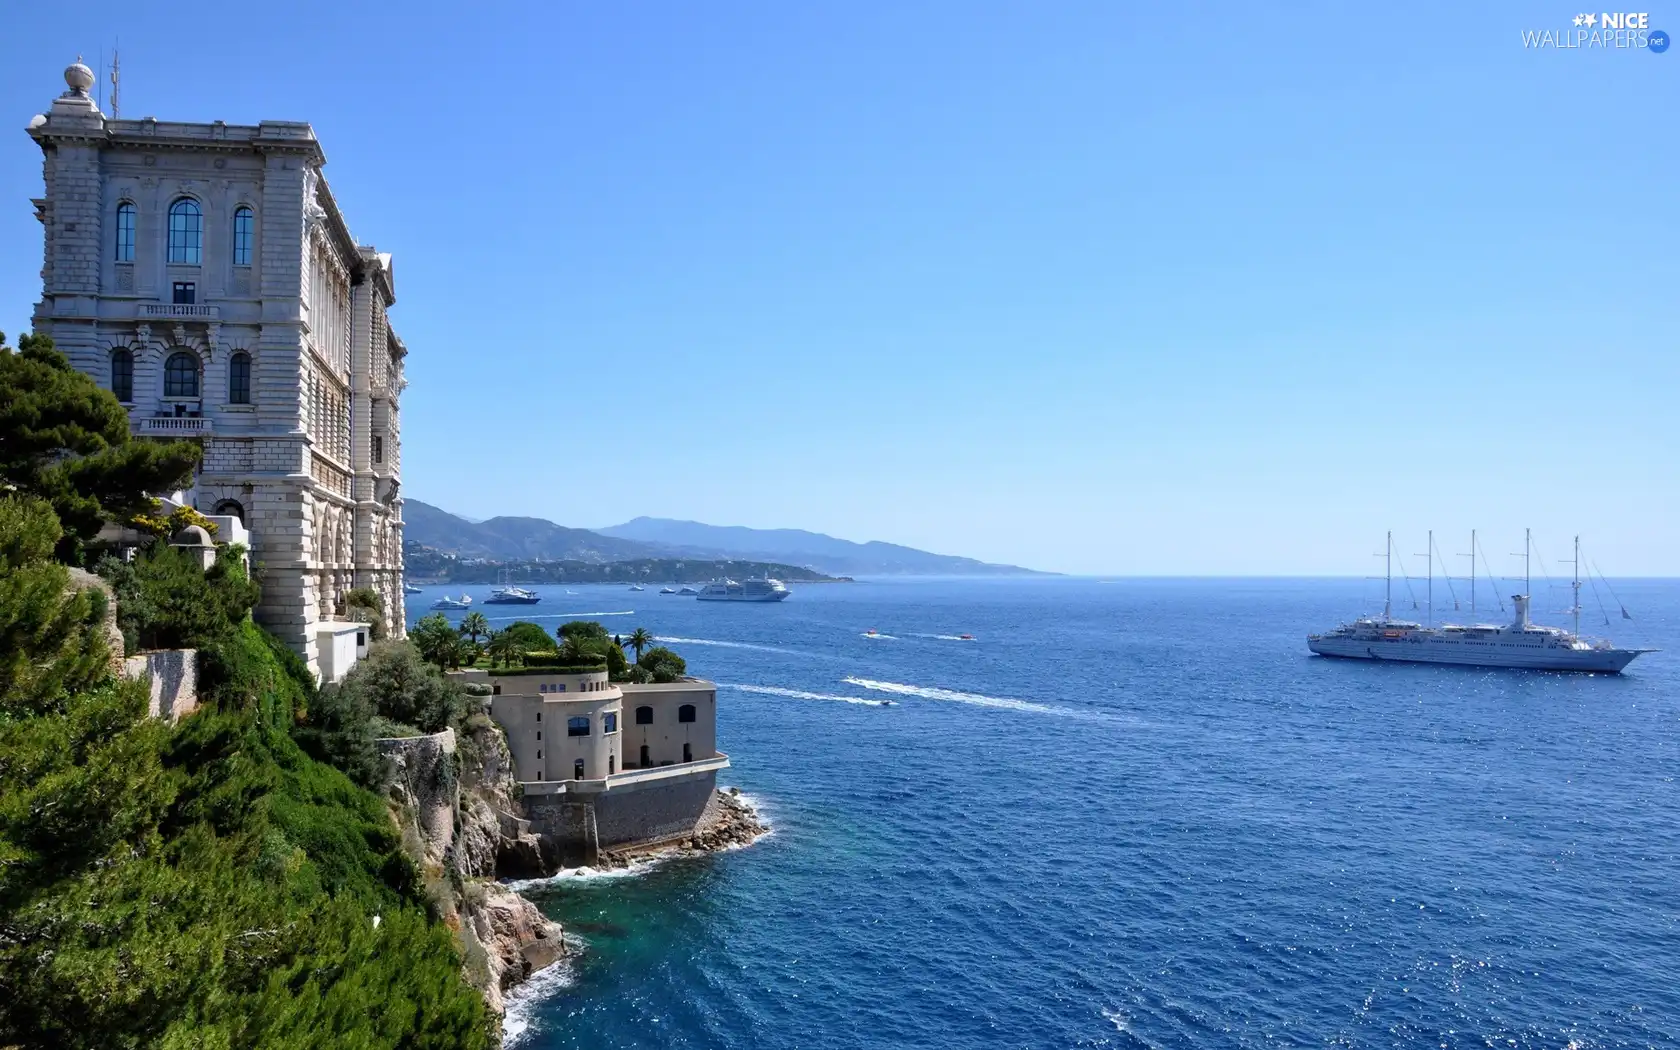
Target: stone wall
576, 829
172, 676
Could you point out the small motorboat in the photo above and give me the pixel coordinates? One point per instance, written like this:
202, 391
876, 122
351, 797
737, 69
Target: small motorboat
446, 602
409, 588
637, 587
872, 633
966, 637
667, 590
571, 592
688, 590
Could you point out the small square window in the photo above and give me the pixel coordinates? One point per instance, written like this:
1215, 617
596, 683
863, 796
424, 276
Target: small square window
186, 293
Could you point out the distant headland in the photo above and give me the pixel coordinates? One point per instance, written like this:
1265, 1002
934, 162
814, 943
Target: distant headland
789, 554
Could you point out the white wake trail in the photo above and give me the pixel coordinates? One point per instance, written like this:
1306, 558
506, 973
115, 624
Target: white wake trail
800, 694
1002, 703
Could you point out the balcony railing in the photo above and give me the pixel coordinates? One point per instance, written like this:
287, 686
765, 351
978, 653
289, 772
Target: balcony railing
171, 426
183, 311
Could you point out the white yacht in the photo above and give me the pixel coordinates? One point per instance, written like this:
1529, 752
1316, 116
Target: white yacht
1518, 644
766, 590
446, 602
409, 588
508, 594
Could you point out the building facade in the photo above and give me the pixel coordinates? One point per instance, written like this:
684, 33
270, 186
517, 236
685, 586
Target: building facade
204, 274
606, 766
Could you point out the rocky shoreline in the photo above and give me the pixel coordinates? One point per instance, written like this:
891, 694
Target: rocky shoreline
729, 822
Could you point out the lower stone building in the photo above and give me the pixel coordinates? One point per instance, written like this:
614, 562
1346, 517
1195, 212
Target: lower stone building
608, 766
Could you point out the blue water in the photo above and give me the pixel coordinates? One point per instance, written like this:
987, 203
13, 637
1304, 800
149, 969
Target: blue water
1138, 813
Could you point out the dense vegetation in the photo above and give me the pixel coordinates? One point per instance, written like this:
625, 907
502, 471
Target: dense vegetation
577, 646
426, 563
199, 884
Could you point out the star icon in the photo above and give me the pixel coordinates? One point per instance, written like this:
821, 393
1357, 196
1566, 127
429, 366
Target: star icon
1592, 20
1579, 19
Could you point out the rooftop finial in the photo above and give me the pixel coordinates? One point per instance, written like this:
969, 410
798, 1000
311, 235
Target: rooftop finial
79, 78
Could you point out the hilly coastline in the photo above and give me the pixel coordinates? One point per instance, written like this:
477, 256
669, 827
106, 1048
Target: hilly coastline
510, 539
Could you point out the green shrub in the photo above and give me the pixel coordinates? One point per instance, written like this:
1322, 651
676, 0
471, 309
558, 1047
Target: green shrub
396, 683
663, 665
166, 601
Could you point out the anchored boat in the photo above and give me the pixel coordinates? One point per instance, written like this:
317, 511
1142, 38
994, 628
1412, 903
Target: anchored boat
1518, 644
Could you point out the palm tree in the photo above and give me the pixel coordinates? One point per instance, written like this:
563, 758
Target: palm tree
572, 651
503, 648
474, 624
638, 640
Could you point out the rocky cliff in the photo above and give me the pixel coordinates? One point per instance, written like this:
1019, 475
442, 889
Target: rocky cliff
455, 802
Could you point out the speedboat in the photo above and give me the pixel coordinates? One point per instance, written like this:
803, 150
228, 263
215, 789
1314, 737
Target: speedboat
667, 590
688, 590
965, 637
872, 633
511, 595
637, 587
446, 602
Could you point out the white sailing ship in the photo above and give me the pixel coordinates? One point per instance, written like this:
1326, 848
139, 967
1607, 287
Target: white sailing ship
1518, 644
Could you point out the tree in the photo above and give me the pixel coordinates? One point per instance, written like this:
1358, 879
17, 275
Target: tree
435, 639
50, 644
65, 440
573, 651
639, 640
503, 648
364, 603
166, 601
394, 681
585, 631
663, 664
474, 624
527, 637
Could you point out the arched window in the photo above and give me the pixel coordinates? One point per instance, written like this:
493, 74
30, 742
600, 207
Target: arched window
186, 232
244, 235
122, 375
644, 716
685, 713
239, 379
125, 231
230, 508
180, 375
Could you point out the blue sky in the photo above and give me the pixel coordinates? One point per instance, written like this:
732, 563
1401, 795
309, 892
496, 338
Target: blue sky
1096, 287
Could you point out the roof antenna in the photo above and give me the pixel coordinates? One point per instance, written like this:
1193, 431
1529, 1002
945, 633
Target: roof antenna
116, 80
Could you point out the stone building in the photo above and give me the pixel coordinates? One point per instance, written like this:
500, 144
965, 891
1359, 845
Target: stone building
204, 274
606, 766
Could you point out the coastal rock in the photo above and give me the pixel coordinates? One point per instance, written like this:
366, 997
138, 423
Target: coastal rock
729, 822
421, 783
515, 938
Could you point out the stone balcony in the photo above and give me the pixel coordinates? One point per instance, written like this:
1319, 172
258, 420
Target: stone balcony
170, 426
177, 312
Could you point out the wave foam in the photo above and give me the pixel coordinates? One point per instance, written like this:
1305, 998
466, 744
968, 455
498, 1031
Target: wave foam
726, 645
582, 875
560, 616
977, 699
800, 694
520, 1017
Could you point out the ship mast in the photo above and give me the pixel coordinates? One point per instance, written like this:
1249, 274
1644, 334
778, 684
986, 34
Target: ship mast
1430, 593
1576, 587
1388, 578
1472, 575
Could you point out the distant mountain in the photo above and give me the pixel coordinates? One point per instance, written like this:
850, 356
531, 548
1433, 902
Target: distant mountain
532, 539
514, 539
798, 547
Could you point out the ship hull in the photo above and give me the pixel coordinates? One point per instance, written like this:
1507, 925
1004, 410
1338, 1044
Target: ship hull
775, 597
511, 601
1604, 661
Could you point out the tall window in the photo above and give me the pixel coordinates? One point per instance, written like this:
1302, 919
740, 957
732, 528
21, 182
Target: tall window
244, 236
186, 232
239, 379
378, 449
122, 375
125, 232
609, 722
644, 716
180, 375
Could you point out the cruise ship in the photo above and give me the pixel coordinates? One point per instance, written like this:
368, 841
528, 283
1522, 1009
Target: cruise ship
1520, 644
751, 591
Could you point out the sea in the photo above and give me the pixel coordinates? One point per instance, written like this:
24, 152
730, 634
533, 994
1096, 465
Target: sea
1137, 813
